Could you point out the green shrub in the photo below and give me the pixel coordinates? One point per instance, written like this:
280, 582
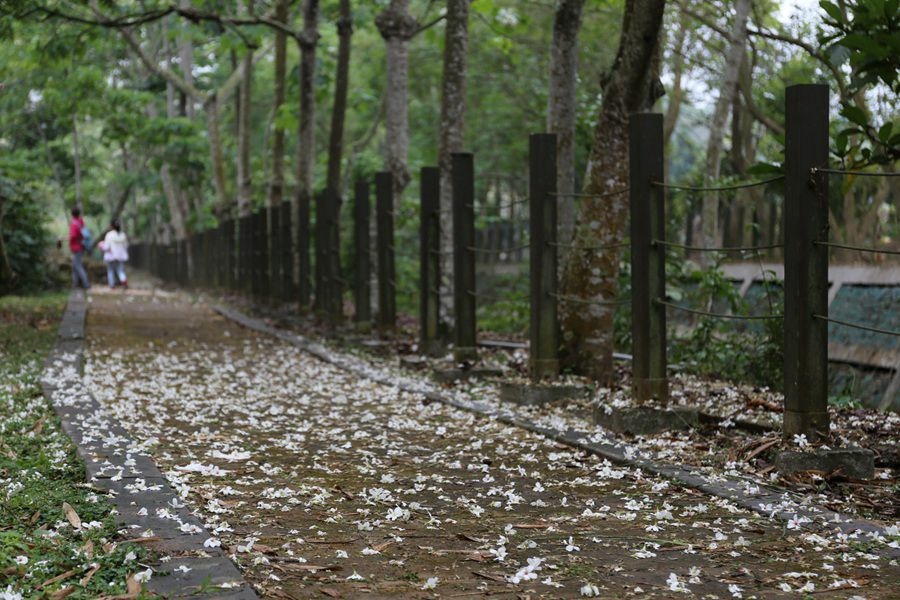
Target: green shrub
24, 240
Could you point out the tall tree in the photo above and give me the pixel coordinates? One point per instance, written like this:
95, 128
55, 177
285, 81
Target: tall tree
453, 111
306, 129
333, 195
244, 177
276, 184
715, 143
397, 26
561, 107
588, 276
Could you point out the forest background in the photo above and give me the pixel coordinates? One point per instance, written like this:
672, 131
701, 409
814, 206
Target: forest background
172, 116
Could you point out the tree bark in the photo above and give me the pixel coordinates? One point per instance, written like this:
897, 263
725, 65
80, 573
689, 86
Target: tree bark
593, 275
244, 177
727, 90
186, 58
306, 126
276, 185
676, 94
339, 110
561, 108
453, 111
397, 26
76, 160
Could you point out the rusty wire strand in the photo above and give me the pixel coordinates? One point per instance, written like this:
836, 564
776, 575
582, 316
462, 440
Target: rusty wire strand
857, 325
576, 300
815, 170
707, 249
600, 247
857, 248
724, 188
716, 315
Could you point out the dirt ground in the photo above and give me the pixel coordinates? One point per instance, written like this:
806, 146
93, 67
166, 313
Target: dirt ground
321, 484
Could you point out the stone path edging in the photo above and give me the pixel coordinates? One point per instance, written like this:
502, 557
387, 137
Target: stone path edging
745, 493
117, 464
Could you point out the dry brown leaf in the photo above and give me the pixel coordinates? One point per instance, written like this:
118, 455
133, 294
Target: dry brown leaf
35, 517
264, 549
761, 448
382, 545
531, 525
489, 576
330, 592
132, 585
88, 549
39, 426
62, 593
71, 515
58, 578
87, 578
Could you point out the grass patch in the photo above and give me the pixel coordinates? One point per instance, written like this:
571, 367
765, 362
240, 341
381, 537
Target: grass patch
39, 471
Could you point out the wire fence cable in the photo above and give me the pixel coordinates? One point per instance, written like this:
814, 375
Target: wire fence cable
707, 249
724, 188
857, 326
706, 313
857, 248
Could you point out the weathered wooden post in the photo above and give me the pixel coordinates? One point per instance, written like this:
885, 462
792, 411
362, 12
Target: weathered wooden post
275, 254
320, 251
362, 292
246, 250
387, 300
335, 305
805, 262
429, 260
288, 289
264, 280
544, 330
230, 253
255, 258
463, 177
304, 292
648, 265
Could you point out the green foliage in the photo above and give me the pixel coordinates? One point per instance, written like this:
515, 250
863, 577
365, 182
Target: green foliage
863, 35
25, 239
736, 350
47, 473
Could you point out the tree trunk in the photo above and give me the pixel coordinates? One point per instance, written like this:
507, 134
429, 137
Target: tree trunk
453, 110
76, 160
244, 177
215, 148
306, 127
276, 185
397, 26
592, 275
186, 58
676, 94
561, 108
727, 90
341, 86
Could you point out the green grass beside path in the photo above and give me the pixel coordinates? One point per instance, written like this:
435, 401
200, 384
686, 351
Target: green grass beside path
43, 554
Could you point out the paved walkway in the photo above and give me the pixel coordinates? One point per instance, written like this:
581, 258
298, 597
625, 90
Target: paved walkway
320, 484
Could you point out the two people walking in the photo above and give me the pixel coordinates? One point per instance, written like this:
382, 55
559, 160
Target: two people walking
114, 246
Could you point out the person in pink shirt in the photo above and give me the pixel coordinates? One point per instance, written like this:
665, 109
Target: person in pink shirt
76, 245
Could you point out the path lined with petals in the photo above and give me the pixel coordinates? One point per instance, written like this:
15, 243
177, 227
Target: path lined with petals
321, 484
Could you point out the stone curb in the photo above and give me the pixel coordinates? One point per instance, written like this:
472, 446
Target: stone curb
116, 464
746, 493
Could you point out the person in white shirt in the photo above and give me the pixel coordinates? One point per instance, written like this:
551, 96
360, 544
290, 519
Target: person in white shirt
115, 254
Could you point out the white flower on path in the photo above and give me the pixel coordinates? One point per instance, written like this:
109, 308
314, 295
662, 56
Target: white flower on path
735, 591
675, 584
571, 547
212, 543
341, 554
21, 560
590, 590
182, 569
800, 440
356, 577
143, 576
430, 583
10, 594
129, 557
796, 522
